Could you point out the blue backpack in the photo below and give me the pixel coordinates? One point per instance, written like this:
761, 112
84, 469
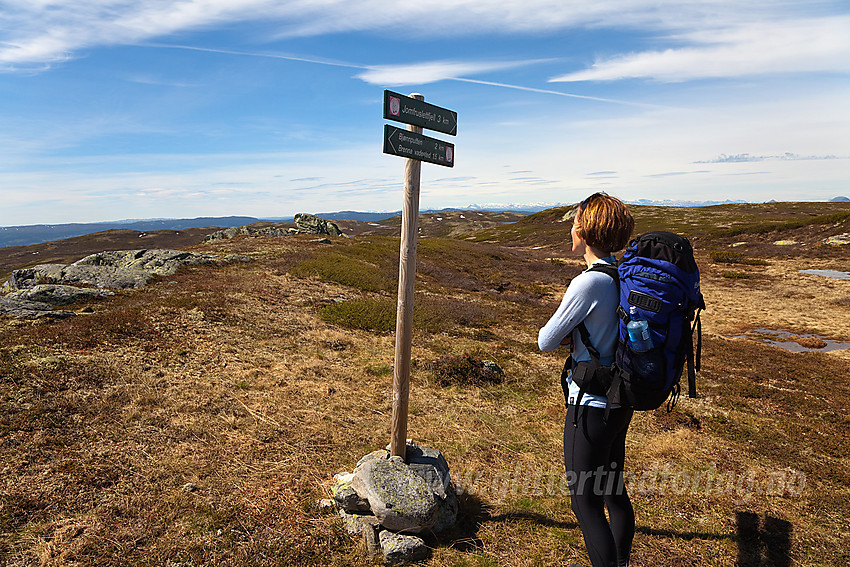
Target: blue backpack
659, 277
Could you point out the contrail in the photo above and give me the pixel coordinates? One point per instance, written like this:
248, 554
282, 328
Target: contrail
547, 91
377, 67
256, 54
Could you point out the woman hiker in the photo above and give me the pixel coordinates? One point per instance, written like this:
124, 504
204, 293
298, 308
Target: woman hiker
595, 445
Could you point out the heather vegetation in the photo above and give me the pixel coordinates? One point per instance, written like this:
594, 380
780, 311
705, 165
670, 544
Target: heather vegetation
197, 420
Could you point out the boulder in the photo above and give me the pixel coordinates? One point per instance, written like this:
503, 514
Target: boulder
430, 465
346, 497
447, 509
401, 548
59, 294
400, 499
357, 524
379, 454
306, 223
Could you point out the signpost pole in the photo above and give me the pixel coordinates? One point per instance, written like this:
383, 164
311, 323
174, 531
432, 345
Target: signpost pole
404, 315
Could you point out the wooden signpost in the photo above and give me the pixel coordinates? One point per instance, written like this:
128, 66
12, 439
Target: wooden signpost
411, 144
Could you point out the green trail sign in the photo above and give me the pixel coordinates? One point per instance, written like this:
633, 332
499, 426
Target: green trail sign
419, 113
411, 145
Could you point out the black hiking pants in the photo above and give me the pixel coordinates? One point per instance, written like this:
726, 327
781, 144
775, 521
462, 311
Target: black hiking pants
594, 452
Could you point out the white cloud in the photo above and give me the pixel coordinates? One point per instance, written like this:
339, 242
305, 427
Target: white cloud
36, 31
816, 44
432, 71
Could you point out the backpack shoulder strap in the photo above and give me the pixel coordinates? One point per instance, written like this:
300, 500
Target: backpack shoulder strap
611, 271
614, 274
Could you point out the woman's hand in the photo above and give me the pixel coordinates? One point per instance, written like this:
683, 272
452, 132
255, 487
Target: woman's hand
567, 341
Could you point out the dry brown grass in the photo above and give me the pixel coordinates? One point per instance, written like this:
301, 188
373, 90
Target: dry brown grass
231, 380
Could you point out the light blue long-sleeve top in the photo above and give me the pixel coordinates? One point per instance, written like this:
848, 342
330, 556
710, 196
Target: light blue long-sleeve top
591, 297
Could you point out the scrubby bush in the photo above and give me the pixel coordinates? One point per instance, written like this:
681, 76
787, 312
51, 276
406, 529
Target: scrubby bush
368, 314
464, 369
735, 275
352, 272
733, 257
430, 314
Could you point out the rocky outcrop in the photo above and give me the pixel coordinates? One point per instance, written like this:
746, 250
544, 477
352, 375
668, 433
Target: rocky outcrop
96, 276
33, 292
53, 294
161, 262
123, 269
305, 223
246, 230
25, 309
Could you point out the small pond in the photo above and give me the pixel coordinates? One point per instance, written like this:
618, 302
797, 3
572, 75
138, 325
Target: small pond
786, 340
834, 274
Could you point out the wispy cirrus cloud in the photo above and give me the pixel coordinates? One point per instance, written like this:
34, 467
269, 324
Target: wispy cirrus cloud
38, 32
783, 46
433, 71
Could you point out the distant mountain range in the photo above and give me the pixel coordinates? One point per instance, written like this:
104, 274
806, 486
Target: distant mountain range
38, 233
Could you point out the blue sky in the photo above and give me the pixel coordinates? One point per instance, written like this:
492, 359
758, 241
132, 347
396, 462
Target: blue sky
116, 109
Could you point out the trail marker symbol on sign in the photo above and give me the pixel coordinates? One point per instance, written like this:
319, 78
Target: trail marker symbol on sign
419, 113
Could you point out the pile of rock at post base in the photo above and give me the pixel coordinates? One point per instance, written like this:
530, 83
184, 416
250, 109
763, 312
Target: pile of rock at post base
393, 502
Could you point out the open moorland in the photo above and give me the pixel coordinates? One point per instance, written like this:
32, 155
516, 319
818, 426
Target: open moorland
258, 382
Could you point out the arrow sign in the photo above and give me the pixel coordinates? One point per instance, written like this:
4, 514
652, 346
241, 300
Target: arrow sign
407, 144
419, 113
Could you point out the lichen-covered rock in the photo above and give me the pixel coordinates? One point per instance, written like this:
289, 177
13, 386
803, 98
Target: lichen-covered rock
236, 259
402, 548
161, 262
430, 465
379, 454
26, 309
447, 509
306, 223
59, 294
247, 230
30, 277
838, 239
399, 498
97, 276
58, 284
346, 497
356, 524
122, 269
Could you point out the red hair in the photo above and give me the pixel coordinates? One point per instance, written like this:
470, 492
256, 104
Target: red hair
604, 222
